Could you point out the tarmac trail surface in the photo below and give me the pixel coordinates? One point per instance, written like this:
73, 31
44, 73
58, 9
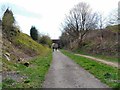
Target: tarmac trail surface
64, 73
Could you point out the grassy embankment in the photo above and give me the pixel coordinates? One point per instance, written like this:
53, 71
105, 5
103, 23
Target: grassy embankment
0, 71
105, 73
38, 65
105, 48
35, 73
29, 46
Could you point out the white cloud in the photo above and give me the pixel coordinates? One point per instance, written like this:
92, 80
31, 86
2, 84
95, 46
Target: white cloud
52, 13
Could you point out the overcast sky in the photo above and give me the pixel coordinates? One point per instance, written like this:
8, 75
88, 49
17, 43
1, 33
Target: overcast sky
47, 15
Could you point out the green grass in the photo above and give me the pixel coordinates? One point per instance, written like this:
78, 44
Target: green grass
39, 65
0, 85
105, 73
27, 44
0, 63
7, 82
35, 73
7, 66
107, 58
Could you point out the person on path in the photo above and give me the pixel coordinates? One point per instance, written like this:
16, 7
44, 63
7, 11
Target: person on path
55, 46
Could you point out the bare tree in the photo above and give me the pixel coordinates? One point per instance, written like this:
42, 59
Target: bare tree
101, 21
79, 21
101, 24
64, 39
114, 17
119, 12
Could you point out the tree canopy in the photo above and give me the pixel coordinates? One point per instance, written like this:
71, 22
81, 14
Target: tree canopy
8, 25
80, 20
34, 33
45, 40
8, 20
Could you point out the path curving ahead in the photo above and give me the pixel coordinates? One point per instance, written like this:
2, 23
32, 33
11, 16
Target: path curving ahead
64, 73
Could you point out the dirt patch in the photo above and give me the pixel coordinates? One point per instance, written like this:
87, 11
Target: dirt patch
13, 75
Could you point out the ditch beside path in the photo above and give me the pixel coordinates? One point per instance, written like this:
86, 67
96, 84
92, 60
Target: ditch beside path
64, 73
114, 64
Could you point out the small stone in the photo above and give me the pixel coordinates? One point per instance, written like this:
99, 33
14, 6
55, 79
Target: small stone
27, 81
19, 60
7, 54
7, 57
26, 64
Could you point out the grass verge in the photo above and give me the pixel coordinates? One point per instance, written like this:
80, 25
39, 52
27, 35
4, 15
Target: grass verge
107, 58
35, 73
0, 85
105, 73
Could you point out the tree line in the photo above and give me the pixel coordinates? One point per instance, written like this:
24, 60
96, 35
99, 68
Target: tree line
42, 39
80, 20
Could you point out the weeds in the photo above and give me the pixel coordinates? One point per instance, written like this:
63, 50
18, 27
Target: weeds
35, 73
7, 83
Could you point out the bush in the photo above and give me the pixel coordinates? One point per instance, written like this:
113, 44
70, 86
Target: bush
45, 40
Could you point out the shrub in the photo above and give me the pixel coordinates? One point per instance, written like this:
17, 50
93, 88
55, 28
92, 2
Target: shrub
45, 40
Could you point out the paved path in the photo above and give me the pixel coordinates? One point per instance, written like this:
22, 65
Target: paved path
114, 64
64, 73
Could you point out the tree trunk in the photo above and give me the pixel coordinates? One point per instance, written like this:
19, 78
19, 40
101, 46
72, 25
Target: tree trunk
79, 43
